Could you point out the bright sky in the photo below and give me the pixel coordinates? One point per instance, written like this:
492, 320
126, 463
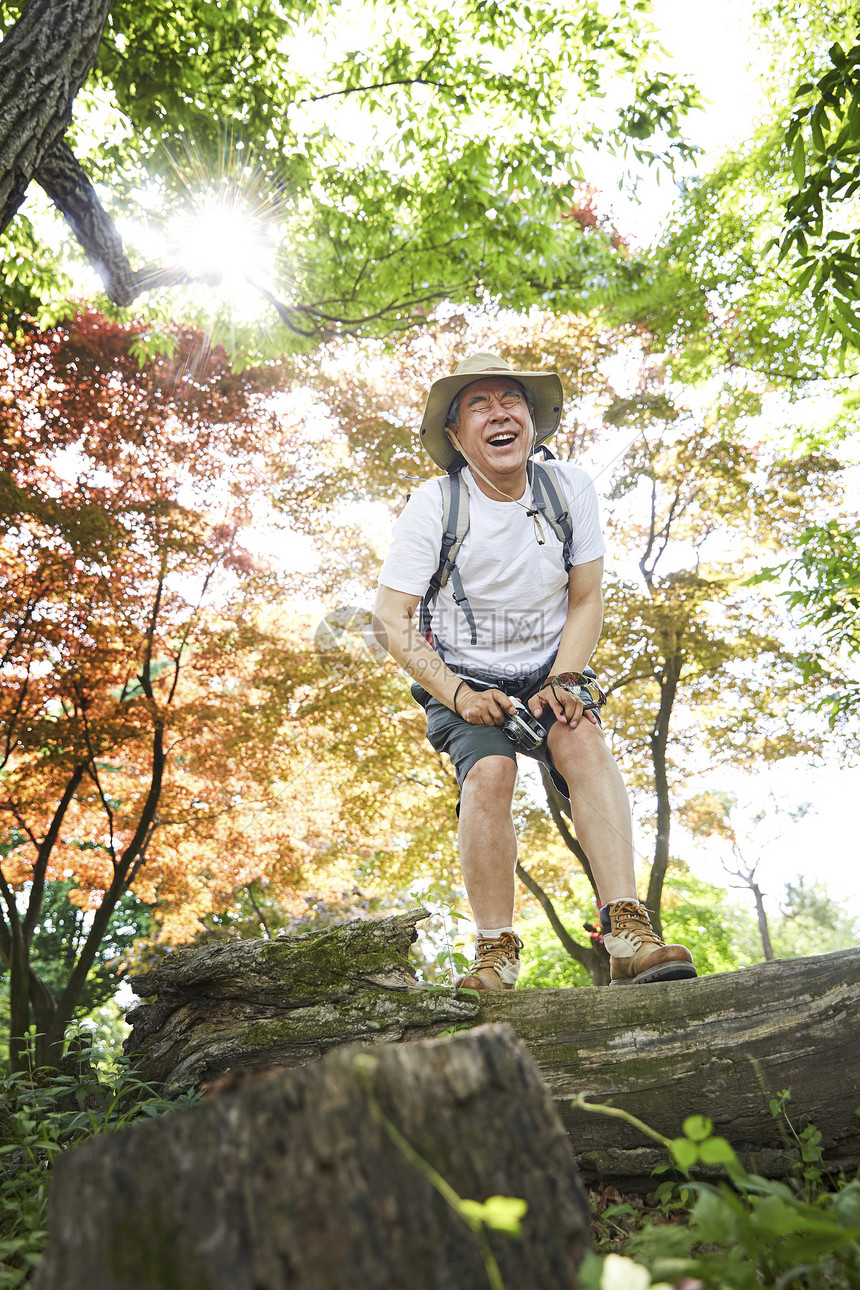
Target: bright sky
714, 44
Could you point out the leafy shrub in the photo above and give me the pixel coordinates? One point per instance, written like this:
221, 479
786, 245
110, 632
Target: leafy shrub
742, 1231
41, 1115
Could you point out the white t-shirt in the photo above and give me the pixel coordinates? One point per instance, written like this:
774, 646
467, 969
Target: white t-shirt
516, 587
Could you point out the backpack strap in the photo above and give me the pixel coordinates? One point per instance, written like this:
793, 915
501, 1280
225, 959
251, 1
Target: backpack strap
455, 526
548, 500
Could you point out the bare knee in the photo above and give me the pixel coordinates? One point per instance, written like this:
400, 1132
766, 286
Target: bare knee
491, 781
585, 745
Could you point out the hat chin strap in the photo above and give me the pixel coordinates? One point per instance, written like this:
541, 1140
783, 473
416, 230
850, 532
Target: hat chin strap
539, 533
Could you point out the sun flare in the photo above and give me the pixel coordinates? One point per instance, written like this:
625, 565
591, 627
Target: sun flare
224, 243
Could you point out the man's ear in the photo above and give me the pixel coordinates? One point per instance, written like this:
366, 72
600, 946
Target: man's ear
452, 435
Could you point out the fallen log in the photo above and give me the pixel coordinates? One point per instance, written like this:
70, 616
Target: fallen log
721, 1046
240, 1004
296, 1181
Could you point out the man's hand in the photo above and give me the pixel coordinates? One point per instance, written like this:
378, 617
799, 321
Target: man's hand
484, 707
567, 707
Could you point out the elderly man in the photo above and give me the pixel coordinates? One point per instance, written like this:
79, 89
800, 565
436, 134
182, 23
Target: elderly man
517, 611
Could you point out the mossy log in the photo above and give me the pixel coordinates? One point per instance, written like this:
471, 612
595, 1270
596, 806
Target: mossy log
721, 1046
296, 1182
238, 1004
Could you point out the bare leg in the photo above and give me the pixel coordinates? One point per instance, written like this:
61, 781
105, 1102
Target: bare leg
599, 806
488, 841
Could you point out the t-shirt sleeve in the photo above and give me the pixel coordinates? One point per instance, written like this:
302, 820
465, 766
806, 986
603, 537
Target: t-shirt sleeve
416, 540
581, 496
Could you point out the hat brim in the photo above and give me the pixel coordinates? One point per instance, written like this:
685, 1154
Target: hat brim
545, 388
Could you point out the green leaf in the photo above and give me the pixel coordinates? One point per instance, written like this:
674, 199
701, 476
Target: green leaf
717, 1151
500, 1213
798, 160
684, 1152
803, 279
698, 1127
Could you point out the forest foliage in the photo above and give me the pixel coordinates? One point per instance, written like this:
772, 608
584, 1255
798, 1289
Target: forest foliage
389, 157
191, 725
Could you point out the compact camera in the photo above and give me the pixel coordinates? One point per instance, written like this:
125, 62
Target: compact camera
523, 729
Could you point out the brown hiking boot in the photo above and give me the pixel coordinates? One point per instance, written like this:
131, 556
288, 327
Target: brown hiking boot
496, 965
638, 955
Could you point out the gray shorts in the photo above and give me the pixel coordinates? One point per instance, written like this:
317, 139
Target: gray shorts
467, 744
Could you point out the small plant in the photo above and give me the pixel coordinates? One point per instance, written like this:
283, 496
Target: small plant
743, 1231
46, 1112
448, 960
807, 1144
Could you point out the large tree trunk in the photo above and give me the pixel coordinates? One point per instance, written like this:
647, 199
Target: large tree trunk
44, 61
307, 1180
30, 998
721, 1046
45, 58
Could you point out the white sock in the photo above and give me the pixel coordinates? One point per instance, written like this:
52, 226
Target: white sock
492, 931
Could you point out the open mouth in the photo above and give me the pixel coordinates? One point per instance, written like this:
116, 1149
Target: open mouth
501, 440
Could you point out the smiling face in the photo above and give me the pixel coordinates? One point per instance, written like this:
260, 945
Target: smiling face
495, 433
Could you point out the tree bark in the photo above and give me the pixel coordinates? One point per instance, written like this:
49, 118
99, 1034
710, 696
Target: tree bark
595, 960
659, 742
68, 186
720, 1046
28, 994
44, 60
306, 1180
761, 915
287, 1001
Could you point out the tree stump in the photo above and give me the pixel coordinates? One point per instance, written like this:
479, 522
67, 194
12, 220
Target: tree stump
294, 1182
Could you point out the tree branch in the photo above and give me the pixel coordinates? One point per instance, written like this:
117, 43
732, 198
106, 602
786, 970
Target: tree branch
659, 741
379, 85
37, 891
69, 998
555, 801
257, 910
652, 529
69, 188
14, 917
44, 60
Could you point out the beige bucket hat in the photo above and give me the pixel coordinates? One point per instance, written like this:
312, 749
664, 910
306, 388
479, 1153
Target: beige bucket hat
544, 387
